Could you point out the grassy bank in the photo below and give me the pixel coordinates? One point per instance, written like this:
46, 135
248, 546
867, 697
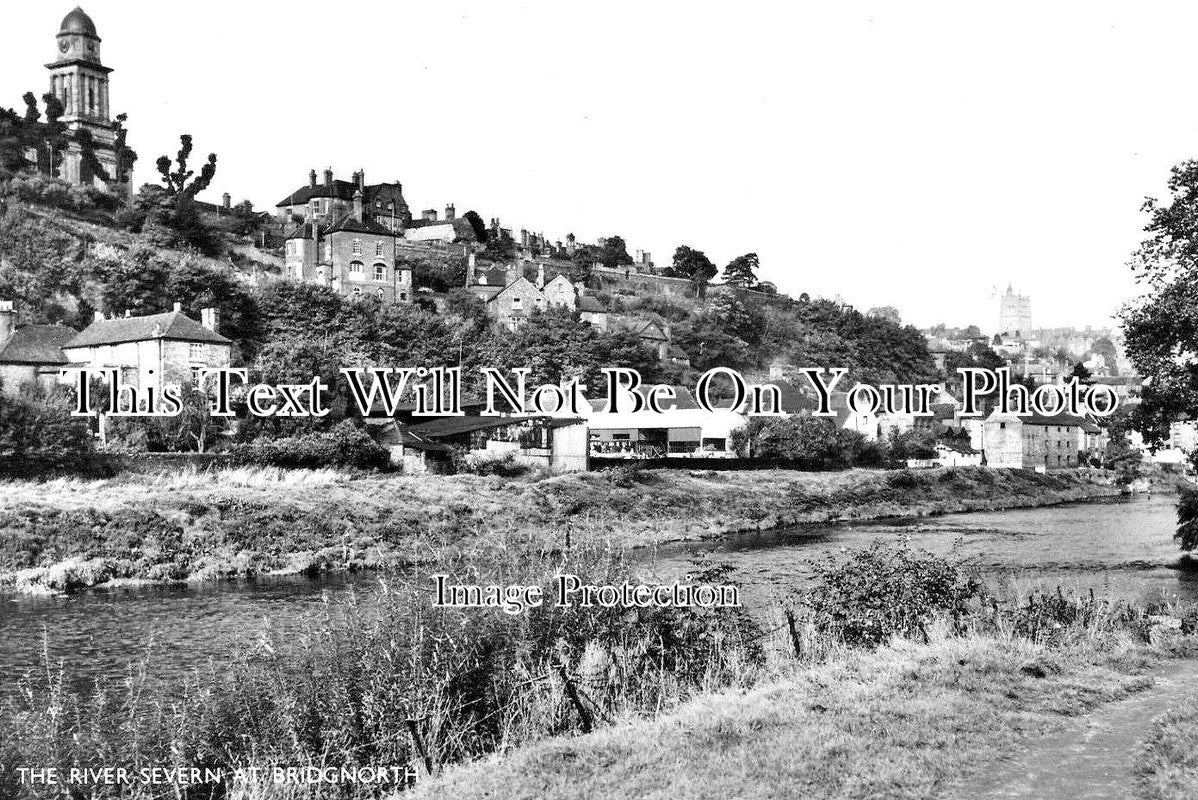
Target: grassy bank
1169, 758
64, 534
909, 721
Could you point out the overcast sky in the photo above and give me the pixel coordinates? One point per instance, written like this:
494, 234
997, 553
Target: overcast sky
892, 153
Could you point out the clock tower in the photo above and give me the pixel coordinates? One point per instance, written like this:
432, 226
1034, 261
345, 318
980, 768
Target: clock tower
80, 82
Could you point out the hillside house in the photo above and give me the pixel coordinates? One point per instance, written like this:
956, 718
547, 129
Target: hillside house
153, 350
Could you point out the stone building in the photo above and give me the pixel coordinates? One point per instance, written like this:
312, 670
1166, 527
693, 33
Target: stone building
153, 350
347, 250
1033, 442
30, 354
1015, 313
80, 82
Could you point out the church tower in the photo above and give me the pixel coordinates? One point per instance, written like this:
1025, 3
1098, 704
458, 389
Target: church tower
80, 81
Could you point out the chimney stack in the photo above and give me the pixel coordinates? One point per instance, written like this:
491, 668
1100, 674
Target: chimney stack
97, 316
450, 214
430, 214
358, 205
470, 269
178, 307
210, 318
312, 179
540, 275
328, 179
523, 237
226, 200
362, 179
7, 322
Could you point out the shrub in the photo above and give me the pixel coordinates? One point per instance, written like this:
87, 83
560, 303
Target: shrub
505, 466
887, 590
346, 445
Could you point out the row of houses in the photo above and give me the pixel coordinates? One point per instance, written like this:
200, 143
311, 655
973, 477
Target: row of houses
166, 348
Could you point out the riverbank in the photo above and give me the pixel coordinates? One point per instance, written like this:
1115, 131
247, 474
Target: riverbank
63, 535
907, 721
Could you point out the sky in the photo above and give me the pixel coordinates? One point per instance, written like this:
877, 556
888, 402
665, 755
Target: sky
913, 154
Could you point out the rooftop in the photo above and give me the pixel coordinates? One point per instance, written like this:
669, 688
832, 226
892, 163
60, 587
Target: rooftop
36, 344
171, 325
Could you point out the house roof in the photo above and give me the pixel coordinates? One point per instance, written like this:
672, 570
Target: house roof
683, 400
644, 328
453, 426
36, 344
348, 223
340, 190
590, 304
171, 325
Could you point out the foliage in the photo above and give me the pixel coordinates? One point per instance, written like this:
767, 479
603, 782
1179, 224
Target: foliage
1161, 328
345, 445
806, 442
1187, 520
37, 423
693, 265
742, 271
887, 590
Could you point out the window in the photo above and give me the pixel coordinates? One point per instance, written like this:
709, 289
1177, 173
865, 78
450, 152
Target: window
196, 351
357, 292
516, 303
382, 295
357, 247
380, 272
620, 437
378, 248
715, 444
683, 447
1002, 426
355, 268
403, 296
195, 375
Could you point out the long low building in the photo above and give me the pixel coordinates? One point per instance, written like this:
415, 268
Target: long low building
684, 429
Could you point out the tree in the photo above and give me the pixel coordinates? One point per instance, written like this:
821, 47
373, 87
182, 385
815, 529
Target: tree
886, 312
695, 266
476, 225
742, 271
1161, 327
1110, 356
613, 252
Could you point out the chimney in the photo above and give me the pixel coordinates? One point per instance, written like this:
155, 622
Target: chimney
178, 307
470, 269
328, 179
358, 205
129, 313
514, 271
523, 238
362, 179
540, 275
6, 320
570, 244
430, 214
97, 316
312, 179
210, 318
450, 215
226, 200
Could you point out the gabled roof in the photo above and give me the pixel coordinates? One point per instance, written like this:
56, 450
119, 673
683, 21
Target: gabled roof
514, 283
644, 328
171, 325
348, 223
36, 344
341, 190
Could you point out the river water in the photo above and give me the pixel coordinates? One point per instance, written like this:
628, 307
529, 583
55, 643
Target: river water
1120, 546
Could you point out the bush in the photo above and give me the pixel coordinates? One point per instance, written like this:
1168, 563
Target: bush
346, 445
887, 590
504, 466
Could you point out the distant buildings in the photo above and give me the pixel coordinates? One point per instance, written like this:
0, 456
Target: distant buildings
31, 354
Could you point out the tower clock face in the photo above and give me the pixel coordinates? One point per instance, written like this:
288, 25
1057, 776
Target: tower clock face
63, 45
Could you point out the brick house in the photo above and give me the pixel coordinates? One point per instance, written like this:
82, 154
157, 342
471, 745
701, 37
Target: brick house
153, 350
352, 254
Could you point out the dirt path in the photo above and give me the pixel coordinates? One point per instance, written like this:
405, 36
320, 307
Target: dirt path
1093, 758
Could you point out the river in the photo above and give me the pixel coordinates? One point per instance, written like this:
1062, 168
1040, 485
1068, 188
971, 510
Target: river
1119, 546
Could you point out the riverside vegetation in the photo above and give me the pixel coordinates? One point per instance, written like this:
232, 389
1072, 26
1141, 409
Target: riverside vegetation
893, 675
69, 533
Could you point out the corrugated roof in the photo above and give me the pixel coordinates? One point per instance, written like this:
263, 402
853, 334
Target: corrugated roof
37, 344
171, 325
452, 426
